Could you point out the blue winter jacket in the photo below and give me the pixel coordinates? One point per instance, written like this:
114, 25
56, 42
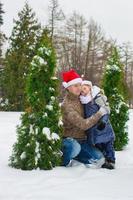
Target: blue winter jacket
95, 136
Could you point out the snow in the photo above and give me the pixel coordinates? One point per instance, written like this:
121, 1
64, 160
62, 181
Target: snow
50, 136
54, 78
51, 89
60, 122
46, 131
45, 50
39, 59
54, 136
52, 98
49, 107
31, 129
77, 182
113, 68
23, 156
37, 152
3, 102
45, 115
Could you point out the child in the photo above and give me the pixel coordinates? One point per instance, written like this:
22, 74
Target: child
101, 135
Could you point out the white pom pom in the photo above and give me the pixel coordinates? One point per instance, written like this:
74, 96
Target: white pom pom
65, 84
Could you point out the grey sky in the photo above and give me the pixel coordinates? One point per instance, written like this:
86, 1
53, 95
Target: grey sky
115, 16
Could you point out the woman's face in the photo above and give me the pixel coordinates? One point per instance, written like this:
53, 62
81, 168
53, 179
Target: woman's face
75, 89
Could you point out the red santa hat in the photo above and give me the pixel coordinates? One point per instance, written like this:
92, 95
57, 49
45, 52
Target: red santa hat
70, 78
85, 82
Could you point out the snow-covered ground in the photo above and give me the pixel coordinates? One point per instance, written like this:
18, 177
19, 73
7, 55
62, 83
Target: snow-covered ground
77, 182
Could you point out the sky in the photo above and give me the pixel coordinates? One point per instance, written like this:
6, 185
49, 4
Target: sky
115, 16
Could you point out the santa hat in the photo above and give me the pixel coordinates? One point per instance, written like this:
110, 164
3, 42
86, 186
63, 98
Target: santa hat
70, 78
85, 82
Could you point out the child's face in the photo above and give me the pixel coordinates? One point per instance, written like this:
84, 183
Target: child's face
85, 89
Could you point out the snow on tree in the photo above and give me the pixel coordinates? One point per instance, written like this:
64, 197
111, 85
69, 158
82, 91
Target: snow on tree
39, 135
115, 89
22, 44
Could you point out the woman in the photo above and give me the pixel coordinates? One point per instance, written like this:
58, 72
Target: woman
75, 144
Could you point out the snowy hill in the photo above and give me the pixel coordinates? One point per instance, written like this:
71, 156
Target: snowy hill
77, 182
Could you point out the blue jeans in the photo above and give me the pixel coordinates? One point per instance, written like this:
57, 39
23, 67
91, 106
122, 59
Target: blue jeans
80, 151
71, 149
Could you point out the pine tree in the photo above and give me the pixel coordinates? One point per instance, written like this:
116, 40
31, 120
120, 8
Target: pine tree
39, 135
1, 12
23, 42
2, 40
2, 36
114, 87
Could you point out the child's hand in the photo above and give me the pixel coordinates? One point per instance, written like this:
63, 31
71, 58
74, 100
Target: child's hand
104, 110
101, 100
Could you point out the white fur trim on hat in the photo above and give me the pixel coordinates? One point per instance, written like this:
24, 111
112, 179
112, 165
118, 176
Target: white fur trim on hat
64, 84
72, 82
85, 82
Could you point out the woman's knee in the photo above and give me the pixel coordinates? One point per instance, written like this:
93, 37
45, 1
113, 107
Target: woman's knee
76, 148
73, 146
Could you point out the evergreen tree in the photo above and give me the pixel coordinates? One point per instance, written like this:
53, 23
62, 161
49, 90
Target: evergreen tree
1, 12
2, 36
114, 87
23, 42
2, 40
39, 135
